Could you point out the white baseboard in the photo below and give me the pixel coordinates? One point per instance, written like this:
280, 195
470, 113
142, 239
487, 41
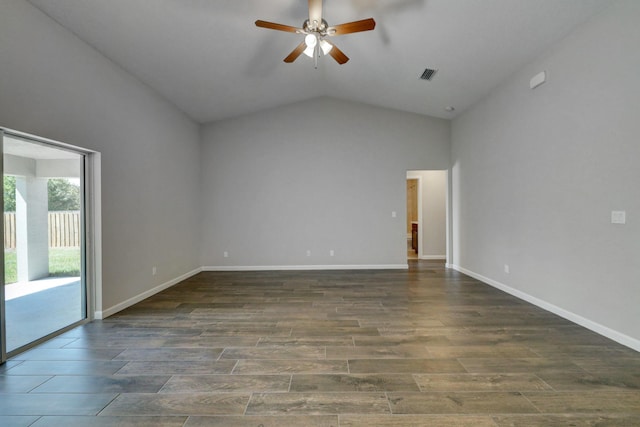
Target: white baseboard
434, 257
575, 318
131, 301
306, 267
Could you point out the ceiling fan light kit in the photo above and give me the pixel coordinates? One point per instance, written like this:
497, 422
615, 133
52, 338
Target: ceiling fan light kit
316, 31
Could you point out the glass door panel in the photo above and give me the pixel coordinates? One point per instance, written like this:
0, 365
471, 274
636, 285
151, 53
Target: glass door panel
44, 287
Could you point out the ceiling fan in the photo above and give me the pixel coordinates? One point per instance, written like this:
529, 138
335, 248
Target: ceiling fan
316, 32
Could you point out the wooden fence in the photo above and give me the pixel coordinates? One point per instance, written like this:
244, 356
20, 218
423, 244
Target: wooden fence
64, 229
9, 230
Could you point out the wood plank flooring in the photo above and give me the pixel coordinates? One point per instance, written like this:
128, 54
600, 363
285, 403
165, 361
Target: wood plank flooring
424, 347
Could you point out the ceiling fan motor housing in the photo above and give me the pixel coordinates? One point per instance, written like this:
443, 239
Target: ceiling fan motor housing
315, 27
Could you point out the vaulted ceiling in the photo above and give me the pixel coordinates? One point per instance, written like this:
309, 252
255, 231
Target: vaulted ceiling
208, 58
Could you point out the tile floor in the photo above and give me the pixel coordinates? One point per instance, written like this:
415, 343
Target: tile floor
424, 347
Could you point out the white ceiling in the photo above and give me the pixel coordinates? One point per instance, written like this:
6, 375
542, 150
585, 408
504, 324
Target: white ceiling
208, 58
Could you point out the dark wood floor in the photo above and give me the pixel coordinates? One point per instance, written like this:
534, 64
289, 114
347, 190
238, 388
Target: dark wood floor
427, 347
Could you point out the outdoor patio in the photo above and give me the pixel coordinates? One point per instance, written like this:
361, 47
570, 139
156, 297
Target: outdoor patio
37, 308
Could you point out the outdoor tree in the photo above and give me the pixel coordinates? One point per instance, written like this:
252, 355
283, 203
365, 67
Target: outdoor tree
63, 195
9, 193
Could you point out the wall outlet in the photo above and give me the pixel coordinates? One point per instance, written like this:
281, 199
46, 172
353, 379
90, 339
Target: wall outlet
331, 252
393, 214
153, 270
226, 254
506, 268
308, 252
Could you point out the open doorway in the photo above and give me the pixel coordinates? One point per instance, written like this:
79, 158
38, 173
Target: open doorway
412, 218
427, 214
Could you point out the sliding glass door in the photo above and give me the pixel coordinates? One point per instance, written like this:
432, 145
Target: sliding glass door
43, 285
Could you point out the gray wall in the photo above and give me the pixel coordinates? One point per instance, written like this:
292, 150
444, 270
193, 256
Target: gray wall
54, 85
319, 175
536, 174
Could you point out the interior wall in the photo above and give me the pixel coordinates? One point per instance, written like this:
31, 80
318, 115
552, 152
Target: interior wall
56, 86
434, 214
315, 176
536, 174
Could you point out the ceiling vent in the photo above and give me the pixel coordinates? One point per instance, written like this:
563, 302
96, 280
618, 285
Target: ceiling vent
428, 74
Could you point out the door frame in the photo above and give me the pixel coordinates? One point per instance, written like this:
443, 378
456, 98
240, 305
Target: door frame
92, 242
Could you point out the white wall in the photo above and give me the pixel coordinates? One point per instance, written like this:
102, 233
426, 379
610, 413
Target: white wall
54, 85
536, 174
318, 175
433, 236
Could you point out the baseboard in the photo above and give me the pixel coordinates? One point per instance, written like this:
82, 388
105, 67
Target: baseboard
131, 301
575, 318
306, 267
434, 257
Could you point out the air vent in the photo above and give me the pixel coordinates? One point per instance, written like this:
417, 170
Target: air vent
428, 74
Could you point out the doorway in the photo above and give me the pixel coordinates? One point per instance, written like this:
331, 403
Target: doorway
427, 214
413, 238
44, 279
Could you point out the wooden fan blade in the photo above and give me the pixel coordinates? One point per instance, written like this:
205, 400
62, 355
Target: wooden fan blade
296, 52
279, 27
338, 55
352, 27
315, 11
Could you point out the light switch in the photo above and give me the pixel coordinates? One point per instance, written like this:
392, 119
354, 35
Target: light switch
618, 217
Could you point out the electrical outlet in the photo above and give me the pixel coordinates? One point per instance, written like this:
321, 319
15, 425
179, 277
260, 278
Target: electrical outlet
506, 268
393, 214
331, 252
308, 252
153, 270
226, 254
